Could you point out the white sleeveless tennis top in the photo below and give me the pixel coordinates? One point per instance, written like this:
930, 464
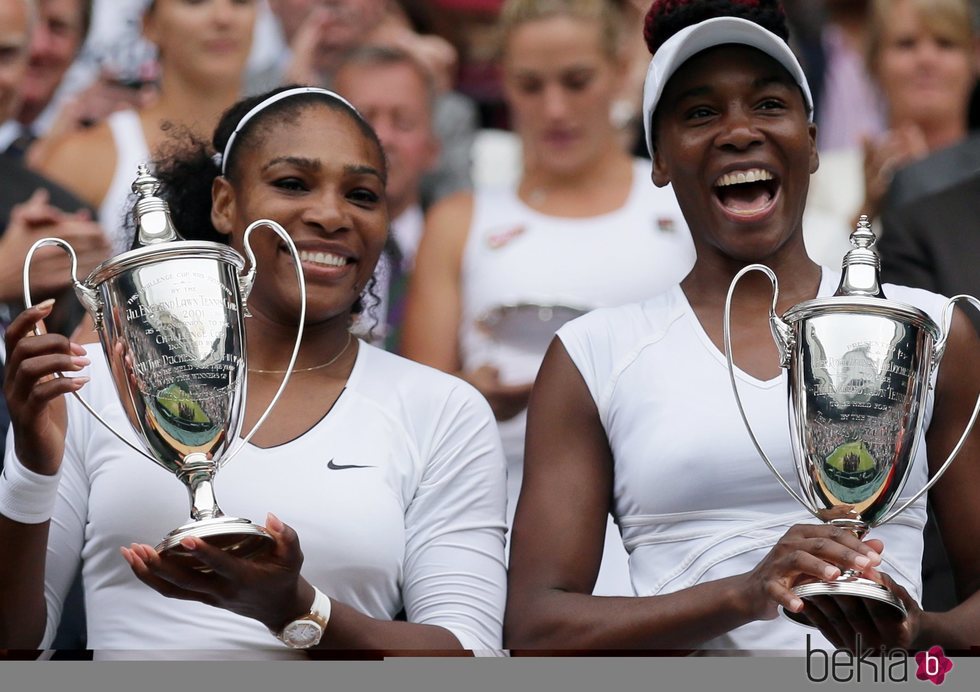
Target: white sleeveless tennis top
694, 500
131, 151
515, 255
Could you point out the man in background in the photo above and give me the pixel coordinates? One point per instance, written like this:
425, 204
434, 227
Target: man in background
321, 33
933, 241
32, 207
56, 41
396, 95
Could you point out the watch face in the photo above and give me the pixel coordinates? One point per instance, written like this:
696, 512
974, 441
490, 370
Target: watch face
302, 633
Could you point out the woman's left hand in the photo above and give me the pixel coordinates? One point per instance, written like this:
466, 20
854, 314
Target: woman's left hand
843, 619
267, 588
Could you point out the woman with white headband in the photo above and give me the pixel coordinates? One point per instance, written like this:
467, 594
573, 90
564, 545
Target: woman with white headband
633, 413
390, 473
203, 49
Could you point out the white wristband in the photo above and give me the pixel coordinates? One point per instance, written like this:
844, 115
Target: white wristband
25, 496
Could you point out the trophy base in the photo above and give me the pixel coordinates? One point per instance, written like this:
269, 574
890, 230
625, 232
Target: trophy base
848, 587
238, 537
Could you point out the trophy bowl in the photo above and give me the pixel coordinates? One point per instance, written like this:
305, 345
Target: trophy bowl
858, 378
172, 328
527, 327
859, 370
170, 318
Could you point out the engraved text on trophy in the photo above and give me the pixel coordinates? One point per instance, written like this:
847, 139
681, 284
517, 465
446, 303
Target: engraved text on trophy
180, 354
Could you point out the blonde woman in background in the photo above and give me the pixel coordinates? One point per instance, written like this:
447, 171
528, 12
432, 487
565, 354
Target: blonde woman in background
923, 56
499, 269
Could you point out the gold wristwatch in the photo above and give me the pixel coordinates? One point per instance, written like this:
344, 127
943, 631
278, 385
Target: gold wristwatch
305, 631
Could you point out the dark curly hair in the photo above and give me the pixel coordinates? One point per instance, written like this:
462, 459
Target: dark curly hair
666, 17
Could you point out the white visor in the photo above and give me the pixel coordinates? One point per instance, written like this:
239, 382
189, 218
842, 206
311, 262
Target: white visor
718, 31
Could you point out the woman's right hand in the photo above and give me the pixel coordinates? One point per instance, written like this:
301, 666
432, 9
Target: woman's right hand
34, 395
506, 400
805, 552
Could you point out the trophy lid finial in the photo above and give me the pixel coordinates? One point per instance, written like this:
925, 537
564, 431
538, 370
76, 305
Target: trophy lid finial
152, 213
145, 184
863, 237
861, 266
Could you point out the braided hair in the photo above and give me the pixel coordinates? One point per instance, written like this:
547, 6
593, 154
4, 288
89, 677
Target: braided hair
666, 17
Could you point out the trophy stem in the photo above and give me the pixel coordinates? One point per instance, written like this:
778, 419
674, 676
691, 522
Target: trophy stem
858, 528
235, 536
197, 473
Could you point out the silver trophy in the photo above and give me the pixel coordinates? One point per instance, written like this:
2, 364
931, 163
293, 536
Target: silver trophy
859, 368
170, 317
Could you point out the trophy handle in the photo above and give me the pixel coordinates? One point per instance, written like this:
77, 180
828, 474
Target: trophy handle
88, 297
92, 304
246, 281
783, 336
937, 355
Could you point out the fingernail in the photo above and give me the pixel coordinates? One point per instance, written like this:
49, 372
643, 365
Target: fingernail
273, 522
77, 349
862, 561
874, 557
80, 362
45, 304
189, 543
79, 382
796, 605
830, 572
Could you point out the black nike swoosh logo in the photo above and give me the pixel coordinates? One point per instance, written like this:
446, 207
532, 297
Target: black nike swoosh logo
339, 467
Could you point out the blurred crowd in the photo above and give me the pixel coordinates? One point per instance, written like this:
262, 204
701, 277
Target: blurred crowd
512, 141
92, 87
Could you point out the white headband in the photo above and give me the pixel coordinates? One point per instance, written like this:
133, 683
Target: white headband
221, 159
718, 31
